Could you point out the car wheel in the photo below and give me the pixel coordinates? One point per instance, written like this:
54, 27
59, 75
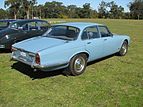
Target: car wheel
77, 64
124, 49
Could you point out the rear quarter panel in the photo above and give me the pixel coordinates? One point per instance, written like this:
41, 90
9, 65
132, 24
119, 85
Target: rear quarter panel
61, 54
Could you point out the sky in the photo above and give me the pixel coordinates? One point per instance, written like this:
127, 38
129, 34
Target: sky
94, 3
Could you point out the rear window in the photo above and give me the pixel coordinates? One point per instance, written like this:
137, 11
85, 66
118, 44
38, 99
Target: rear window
61, 31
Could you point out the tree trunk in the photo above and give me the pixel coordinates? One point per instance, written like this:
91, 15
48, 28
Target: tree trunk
32, 13
27, 12
15, 16
40, 13
138, 17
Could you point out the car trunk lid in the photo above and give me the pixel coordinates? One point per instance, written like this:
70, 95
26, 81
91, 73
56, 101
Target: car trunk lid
37, 44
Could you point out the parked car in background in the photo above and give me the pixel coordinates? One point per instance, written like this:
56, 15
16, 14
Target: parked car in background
21, 30
71, 46
5, 23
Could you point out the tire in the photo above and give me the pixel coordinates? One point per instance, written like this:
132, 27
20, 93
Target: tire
124, 49
77, 64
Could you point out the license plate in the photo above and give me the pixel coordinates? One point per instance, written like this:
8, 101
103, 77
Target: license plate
23, 54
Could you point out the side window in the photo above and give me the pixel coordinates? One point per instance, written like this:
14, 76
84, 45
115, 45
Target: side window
58, 30
43, 25
90, 33
25, 27
72, 32
104, 31
33, 26
14, 25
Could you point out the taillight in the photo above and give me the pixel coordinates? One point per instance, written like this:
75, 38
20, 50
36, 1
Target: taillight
37, 59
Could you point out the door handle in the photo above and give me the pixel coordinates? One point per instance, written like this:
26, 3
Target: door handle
88, 42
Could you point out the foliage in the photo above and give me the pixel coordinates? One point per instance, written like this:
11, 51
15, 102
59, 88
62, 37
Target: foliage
18, 7
27, 5
136, 9
110, 10
54, 9
110, 82
103, 13
3, 14
116, 11
14, 6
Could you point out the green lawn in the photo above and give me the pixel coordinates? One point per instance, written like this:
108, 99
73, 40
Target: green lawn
113, 82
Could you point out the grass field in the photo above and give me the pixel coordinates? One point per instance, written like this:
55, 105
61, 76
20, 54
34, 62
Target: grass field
113, 82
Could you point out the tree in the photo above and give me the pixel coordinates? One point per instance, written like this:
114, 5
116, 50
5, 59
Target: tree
115, 10
14, 5
94, 14
39, 11
110, 10
54, 9
86, 10
27, 5
3, 14
136, 9
72, 9
102, 10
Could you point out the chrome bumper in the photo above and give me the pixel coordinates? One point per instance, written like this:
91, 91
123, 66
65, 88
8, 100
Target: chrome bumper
43, 67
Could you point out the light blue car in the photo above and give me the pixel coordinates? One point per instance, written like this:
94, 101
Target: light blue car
70, 45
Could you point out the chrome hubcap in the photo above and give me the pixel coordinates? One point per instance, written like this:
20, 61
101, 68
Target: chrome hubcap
124, 49
79, 64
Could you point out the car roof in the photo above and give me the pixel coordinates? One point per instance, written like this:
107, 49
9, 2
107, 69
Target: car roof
80, 25
7, 20
23, 21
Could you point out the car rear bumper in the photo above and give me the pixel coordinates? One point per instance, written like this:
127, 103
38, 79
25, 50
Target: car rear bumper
42, 67
50, 67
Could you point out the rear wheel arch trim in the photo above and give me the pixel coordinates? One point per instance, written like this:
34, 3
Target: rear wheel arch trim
86, 53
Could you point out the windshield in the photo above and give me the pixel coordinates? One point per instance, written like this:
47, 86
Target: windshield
62, 32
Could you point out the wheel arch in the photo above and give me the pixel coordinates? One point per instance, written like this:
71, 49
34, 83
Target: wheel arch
126, 41
86, 53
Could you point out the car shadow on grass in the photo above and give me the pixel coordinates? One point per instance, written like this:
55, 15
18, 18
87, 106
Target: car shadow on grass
101, 59
27, 70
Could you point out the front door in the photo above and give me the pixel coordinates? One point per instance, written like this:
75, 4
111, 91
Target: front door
109, 44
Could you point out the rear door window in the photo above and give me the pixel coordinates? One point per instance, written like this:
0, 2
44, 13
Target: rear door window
44, 25
33, 26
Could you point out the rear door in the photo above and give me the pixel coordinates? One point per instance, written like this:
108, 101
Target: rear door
93, 42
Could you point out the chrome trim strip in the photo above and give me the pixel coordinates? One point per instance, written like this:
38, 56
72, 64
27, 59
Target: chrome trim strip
49, 66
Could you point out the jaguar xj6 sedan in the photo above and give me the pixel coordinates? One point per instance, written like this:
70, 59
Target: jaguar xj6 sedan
71, 46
